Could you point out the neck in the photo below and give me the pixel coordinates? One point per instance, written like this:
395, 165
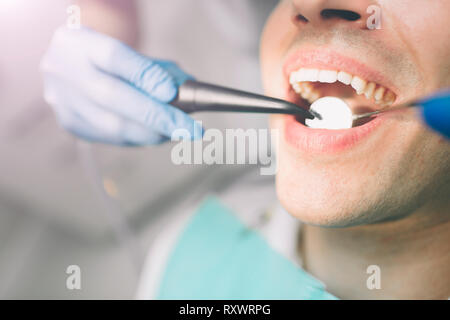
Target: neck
413, 255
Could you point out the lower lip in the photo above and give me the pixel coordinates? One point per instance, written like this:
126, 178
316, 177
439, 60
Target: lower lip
326, 141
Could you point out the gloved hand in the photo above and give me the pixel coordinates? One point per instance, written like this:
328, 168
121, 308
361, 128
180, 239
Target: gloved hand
103, 91
436, 112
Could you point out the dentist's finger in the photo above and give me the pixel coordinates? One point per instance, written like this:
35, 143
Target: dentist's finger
117, 97
159, 79
82, 118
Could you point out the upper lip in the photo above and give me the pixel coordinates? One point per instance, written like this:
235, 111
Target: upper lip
324, 58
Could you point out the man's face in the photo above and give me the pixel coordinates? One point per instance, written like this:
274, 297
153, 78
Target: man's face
382, 169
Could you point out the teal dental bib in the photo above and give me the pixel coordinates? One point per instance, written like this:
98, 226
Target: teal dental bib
218, 257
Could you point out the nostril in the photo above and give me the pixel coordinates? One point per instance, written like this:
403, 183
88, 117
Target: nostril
341, 14
300, 18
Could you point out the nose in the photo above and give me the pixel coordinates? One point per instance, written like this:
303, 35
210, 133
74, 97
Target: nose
328, 13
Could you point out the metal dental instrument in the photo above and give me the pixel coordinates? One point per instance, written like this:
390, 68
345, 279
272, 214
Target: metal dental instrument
409, 104
198, 96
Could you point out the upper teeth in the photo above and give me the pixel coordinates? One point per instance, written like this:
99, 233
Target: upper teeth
300, 82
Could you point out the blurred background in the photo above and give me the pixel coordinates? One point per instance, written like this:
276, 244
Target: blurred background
65, 202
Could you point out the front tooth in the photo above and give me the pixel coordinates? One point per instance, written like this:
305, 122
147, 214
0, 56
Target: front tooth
358, 84
327, 76
308, 74
378, 95
370, 88
344, 77
301, 75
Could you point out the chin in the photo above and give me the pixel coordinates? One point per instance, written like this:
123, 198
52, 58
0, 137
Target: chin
317, 200
327, 203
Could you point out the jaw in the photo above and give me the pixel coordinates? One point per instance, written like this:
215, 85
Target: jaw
387, 177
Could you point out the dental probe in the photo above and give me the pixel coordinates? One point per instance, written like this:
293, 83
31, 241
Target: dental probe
199, 96
441, 97
414, 103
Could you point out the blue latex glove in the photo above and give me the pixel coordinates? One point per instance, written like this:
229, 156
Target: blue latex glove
103, 91
436, 112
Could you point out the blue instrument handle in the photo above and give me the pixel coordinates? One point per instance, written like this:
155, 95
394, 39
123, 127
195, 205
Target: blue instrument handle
436, 112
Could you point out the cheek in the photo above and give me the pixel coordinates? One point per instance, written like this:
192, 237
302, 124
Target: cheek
274, 43
426, 36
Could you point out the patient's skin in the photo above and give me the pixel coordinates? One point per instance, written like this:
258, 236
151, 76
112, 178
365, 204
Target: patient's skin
385, 201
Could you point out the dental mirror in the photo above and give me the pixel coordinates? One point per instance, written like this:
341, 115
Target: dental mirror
330, 113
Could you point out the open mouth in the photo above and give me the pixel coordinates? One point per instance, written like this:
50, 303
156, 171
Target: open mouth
317, 73
311, 84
